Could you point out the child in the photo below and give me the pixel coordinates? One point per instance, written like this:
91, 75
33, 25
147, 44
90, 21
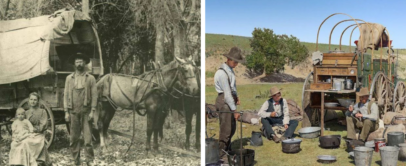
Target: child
22, 128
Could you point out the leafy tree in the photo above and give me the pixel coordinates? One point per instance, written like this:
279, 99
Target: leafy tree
270, 52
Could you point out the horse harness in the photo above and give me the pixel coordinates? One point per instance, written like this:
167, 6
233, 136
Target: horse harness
159, 86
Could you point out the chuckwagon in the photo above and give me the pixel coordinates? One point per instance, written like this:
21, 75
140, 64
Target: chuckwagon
337, 75
34, 57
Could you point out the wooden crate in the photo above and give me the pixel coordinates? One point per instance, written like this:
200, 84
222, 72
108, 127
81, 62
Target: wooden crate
320, 86
322, 71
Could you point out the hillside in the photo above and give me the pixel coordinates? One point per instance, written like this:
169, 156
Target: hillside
218, 44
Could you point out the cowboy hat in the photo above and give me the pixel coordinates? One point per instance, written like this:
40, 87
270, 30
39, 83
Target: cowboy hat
274, 90
363, 92
235, 55
79, 55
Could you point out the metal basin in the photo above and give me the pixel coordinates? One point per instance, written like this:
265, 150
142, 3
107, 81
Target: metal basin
330, 104
309, 132
346, 102
326, 159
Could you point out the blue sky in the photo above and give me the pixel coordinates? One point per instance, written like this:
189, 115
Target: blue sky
301, 18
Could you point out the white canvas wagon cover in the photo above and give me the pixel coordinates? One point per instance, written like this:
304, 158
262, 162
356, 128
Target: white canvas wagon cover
25, 43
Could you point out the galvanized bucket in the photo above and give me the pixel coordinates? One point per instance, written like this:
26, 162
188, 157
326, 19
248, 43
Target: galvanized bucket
389, 155
363, 156
402, 152
395, 138
212, 151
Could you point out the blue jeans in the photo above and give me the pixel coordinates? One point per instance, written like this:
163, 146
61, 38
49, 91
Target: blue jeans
267, 123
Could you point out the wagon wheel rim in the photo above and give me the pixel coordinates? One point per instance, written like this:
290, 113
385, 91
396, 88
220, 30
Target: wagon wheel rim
399, 96
306, 85
50, 131
380, 91
306, 101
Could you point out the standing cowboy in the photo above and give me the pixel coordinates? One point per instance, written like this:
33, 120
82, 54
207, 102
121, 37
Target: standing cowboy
80, 99
363, 115
227, 99
276, 111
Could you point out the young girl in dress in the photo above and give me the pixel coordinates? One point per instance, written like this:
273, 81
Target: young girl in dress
21, 130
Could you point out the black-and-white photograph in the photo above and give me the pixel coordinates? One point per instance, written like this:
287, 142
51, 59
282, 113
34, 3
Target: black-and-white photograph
100, 82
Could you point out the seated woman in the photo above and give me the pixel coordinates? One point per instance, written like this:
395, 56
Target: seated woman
36, 144
275, 111
22, 129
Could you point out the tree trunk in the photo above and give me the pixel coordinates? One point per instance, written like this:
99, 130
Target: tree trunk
180, 40
159, 44
39, 6
85, 7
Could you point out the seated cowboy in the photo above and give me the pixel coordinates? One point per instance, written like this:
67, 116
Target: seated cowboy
275, 111
363, 115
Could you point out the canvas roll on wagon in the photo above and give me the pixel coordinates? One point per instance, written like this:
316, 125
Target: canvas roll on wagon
337, 75
34, 57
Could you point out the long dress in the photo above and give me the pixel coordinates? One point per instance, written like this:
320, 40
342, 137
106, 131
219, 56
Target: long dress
34, 146
19, 153
39, 120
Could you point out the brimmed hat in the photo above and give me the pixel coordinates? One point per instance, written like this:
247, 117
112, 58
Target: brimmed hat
235, 55
363, 92
79, 55
274, 90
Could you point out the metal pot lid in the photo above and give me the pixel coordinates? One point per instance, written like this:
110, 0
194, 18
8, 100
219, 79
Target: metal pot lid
396, 133
292, 141
326, 157
306, 130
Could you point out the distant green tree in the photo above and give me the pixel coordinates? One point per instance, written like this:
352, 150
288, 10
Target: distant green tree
270, 52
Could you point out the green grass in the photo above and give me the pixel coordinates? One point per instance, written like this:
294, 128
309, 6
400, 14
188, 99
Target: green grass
271, 153
209, 74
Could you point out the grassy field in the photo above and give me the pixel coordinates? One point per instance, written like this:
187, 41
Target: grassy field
271, 153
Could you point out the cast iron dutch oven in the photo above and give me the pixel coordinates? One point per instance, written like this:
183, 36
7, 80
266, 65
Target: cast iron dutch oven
248, 157
351, 144
291, 145
330, 141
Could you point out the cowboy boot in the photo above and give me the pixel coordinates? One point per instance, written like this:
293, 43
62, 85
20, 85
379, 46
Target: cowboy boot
275, 138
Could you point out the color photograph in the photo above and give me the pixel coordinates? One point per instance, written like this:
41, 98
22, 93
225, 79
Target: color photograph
100, 83
305, 83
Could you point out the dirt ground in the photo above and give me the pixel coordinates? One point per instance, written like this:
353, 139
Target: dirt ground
244, 76
297, 74
115, 156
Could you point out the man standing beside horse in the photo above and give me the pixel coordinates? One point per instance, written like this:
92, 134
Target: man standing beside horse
227, 99
80, 99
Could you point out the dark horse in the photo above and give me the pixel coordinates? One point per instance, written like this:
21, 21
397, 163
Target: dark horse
189, 106
151, 91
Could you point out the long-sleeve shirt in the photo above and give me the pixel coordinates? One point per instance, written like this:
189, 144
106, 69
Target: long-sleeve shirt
363, 109
38, 118
277, 107
222, 85
89, 84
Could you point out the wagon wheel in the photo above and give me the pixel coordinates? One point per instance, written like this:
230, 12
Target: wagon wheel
307, 111
382, 93
399, 97
50, 131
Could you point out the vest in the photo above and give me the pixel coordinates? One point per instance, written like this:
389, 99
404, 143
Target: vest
272, 109
368, 107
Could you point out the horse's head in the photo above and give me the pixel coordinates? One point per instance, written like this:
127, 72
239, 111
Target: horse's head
188, 76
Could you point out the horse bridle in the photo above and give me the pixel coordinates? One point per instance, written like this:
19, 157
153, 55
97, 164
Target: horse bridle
171, 85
